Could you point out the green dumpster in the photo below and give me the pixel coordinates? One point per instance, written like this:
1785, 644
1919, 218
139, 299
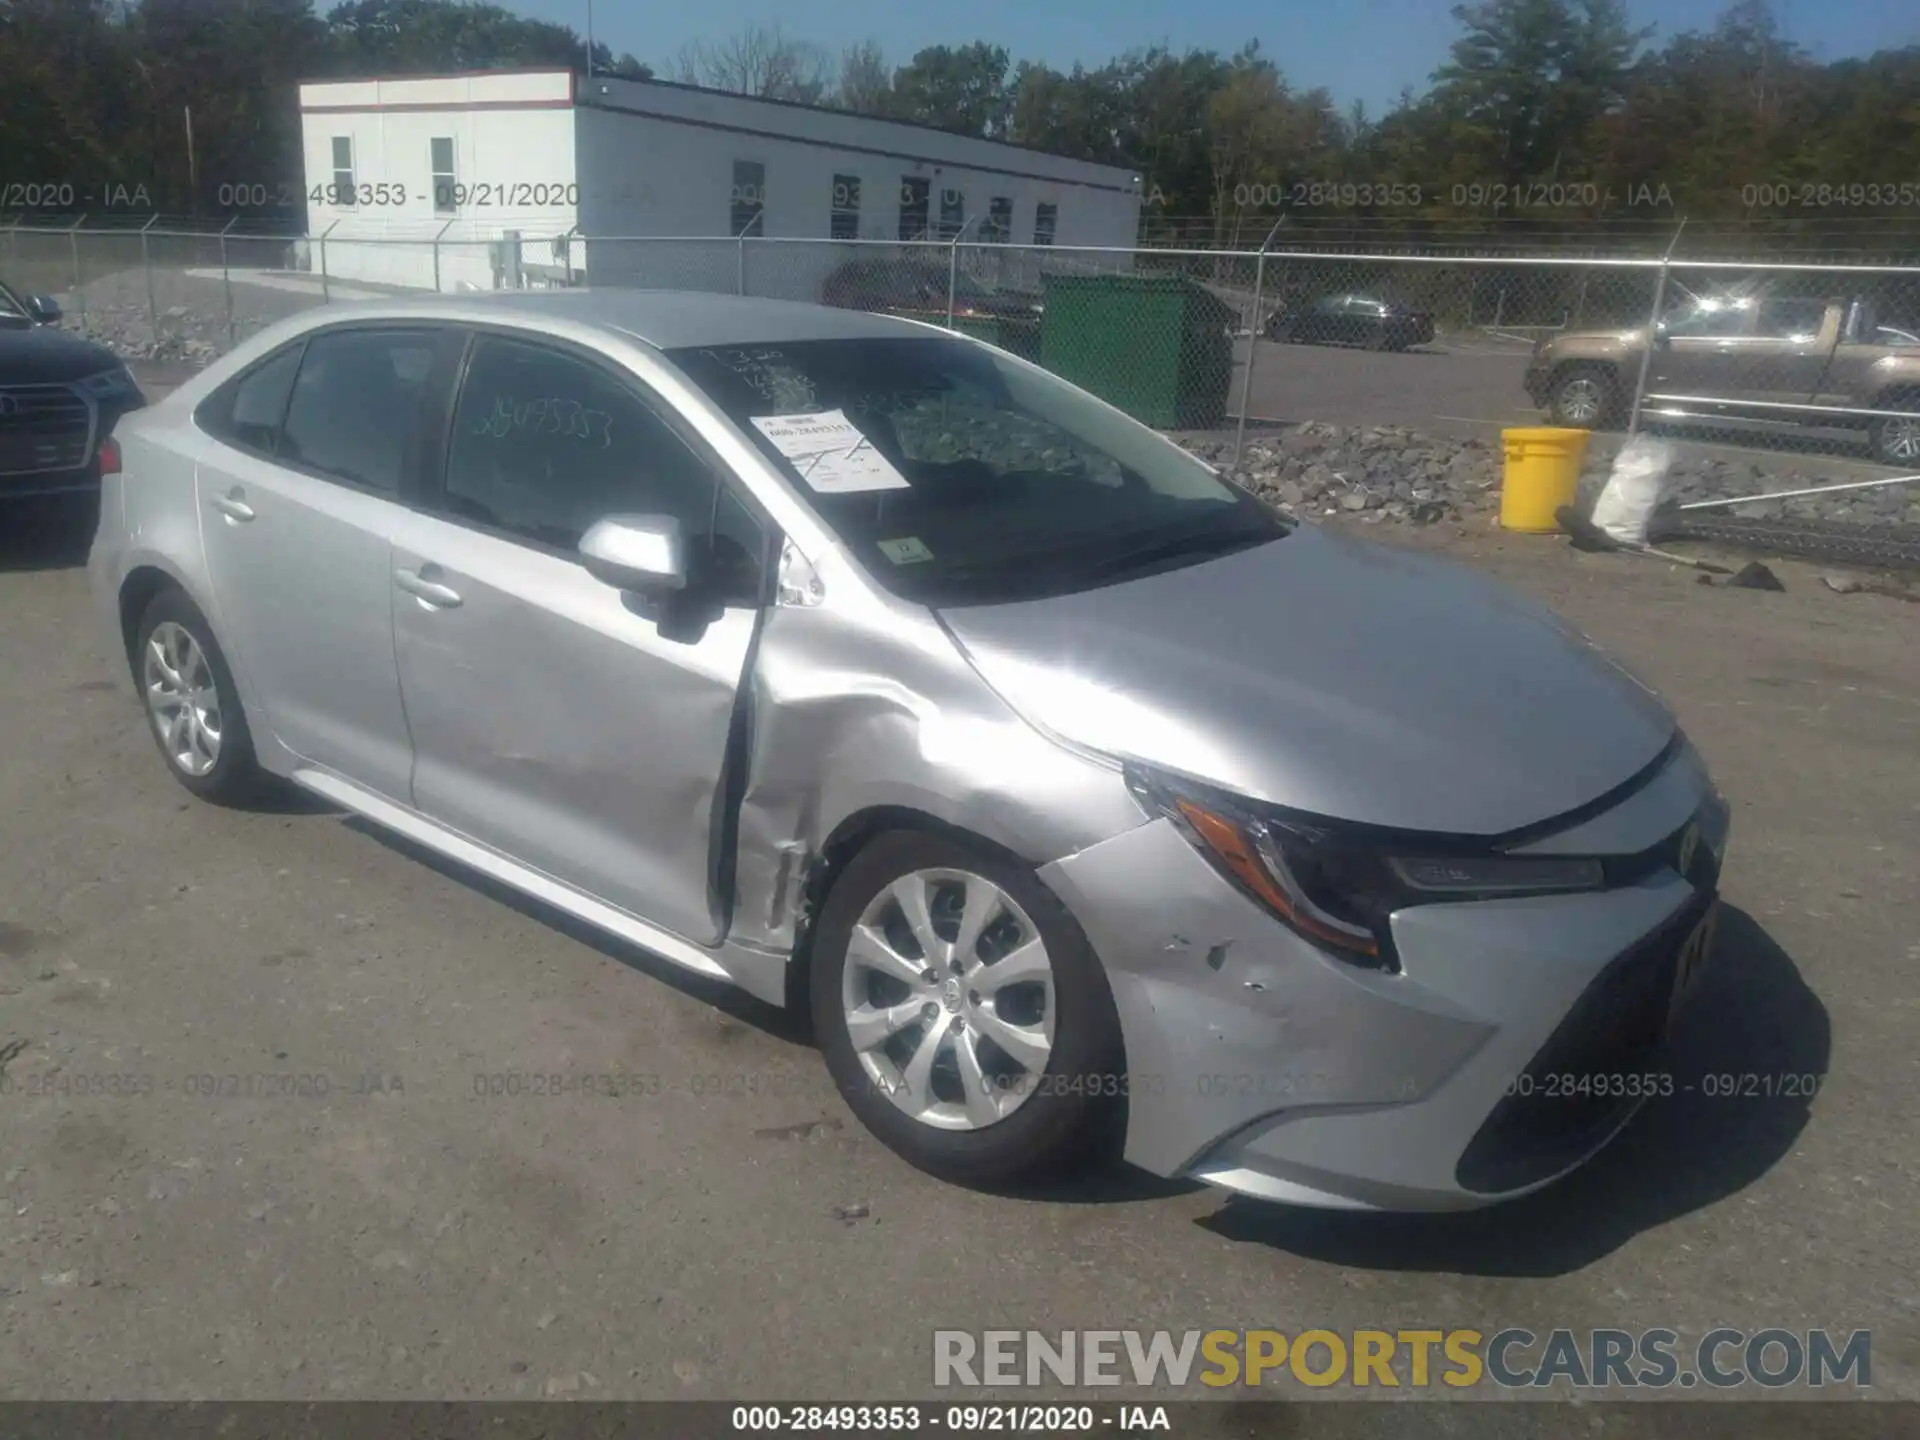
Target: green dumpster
1159, 347
1021, 336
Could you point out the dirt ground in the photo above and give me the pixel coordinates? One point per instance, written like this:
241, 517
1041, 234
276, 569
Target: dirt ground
393, 1229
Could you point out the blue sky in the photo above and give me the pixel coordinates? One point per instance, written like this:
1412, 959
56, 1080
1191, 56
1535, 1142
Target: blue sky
1359, 49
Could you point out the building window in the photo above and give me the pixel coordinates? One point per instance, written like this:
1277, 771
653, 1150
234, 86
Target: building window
749, 198
913, 209
844, 223
444, 186
1046, 218
999, 227
343, 170
953, 213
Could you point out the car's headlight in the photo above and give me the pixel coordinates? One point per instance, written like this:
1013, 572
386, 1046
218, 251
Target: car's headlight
1338, 884
110, 384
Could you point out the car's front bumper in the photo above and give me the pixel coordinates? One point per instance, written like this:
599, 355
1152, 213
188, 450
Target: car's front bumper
1258, 1063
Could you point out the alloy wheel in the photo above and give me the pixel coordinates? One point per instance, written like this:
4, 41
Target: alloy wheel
182, 698
1581, 400
1900, 440
948, 994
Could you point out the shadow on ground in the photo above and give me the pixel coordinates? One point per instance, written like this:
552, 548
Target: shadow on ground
1753, 1017
47, 532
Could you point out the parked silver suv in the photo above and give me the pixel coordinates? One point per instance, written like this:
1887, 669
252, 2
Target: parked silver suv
1078, 794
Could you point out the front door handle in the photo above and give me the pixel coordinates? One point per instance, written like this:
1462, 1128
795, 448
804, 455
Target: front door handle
440, 597
231, 505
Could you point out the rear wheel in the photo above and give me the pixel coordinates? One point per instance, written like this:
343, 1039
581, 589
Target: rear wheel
1896, 439
963, 1013
192, 705
1585, 398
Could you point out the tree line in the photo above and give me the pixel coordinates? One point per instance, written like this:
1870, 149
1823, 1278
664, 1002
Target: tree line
1548, 117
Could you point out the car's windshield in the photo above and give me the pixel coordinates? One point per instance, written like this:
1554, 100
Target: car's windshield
959, 476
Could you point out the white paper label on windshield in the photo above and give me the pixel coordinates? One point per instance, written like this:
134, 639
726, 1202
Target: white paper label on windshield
830, 452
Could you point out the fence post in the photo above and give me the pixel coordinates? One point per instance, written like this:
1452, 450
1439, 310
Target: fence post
146, 263
740, 269
953, 267
1253, 339
1653, 325
326, 289
226, 282
79, 294
436, 255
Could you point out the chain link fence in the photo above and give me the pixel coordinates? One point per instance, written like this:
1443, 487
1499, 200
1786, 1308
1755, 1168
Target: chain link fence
1769, 376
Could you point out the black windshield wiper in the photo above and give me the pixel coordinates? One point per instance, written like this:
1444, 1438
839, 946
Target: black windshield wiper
1175, 547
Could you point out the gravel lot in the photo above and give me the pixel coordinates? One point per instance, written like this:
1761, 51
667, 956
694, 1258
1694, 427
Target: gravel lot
736, 1234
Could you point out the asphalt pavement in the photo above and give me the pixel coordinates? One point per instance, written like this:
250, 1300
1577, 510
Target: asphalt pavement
371, 1207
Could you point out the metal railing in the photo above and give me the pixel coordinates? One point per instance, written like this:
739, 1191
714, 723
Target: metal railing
1798, 358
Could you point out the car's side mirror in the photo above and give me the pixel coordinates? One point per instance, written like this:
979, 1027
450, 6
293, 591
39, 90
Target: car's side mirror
1662, 337
645, 554
44, 309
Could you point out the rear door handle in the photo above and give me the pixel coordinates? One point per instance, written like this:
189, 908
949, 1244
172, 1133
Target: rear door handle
231, 505
441, 597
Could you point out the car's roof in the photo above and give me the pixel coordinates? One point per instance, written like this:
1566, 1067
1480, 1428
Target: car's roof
668, 319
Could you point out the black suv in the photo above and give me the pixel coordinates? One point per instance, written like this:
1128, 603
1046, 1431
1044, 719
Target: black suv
60, 395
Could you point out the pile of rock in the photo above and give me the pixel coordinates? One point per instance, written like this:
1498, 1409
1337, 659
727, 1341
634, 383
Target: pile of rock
1389, 473
1378, 473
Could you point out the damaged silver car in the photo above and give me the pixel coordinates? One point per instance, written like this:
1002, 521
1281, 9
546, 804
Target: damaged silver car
1082, 799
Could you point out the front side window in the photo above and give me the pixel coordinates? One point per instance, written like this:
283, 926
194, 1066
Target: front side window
444, 179
546, 443
999, 481
1046, 219
1798, 320
357, 405
1713, 319
343, 170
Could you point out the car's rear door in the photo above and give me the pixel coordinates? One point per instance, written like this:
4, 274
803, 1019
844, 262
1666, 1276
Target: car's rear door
301, 478
554, 719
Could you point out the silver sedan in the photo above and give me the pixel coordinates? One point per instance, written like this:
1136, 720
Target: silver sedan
1087, 804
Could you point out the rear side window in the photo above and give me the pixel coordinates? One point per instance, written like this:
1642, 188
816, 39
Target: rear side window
357, 405
248, 413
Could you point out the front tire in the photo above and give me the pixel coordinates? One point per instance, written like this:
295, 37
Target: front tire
1896, 439
1584, 398
193, 707
963, 1014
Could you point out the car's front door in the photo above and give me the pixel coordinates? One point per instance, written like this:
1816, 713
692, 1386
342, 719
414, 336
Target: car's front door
554, 718
1787, 354
301, 479
1696, 352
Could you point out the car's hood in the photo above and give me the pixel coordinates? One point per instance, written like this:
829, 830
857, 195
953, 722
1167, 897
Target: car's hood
43, 355
1332, 676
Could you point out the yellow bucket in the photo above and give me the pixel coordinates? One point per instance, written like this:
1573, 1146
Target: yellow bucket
1542, 474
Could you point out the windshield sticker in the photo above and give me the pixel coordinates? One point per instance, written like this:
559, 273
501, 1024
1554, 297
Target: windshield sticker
830, 452
907, 550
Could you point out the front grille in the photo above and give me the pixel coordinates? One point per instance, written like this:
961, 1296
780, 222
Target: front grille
1600, 1062
42, 428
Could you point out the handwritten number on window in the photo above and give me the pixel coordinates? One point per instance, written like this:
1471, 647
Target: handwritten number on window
546, 415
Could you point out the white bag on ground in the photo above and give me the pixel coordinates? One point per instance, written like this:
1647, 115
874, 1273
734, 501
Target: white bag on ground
1633, 490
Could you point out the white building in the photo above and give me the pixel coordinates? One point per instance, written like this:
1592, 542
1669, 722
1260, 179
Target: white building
485, 180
